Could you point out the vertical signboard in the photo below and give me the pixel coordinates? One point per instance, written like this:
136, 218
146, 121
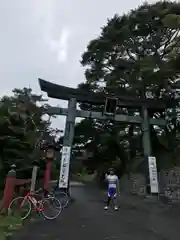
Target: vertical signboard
153, 175
64, 171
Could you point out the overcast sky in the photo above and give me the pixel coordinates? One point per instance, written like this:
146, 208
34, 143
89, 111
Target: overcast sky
45, 38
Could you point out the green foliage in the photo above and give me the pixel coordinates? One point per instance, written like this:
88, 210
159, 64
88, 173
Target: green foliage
133, 52
136, 54
8, 225
20, 117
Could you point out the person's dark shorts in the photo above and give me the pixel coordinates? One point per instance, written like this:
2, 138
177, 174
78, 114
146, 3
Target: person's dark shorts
112, 192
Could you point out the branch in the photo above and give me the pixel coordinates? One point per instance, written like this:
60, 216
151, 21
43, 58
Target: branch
108, 68
168, 42
129, 54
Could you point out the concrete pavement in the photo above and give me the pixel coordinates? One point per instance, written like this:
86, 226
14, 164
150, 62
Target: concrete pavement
86, 219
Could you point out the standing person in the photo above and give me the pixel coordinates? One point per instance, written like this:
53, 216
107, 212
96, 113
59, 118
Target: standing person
113, 188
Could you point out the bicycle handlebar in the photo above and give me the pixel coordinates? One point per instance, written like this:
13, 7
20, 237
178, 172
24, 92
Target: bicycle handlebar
37, 191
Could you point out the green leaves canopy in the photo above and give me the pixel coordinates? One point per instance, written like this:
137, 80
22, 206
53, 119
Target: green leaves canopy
137, 54
20, 117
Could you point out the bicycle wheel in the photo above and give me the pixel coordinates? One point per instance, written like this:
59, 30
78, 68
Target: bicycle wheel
20, 207
51, 208
64, 198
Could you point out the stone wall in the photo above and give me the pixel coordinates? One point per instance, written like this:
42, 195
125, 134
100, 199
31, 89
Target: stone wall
169, 184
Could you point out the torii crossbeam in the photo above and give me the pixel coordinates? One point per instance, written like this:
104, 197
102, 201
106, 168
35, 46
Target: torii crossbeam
74, 96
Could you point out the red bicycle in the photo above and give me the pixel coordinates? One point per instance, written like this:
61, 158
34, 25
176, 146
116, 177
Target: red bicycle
50, 207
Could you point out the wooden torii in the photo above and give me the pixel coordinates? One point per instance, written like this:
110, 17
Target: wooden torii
74, 96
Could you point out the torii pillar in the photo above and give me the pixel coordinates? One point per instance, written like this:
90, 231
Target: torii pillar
67, 145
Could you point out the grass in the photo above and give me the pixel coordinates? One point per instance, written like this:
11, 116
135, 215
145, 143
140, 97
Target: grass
1, 196
9, 224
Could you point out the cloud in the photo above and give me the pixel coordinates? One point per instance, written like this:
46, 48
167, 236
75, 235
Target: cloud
45, 38
60, 46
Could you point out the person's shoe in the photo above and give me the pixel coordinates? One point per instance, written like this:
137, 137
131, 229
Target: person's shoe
115, 208
106, 208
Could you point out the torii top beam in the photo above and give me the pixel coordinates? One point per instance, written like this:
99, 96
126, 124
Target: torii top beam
65, 93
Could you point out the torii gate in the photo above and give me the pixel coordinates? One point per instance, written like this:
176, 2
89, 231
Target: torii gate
74, 96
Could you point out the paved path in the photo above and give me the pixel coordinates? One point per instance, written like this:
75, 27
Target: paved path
85, 219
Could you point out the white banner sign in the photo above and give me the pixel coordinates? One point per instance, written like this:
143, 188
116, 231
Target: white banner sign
65, 162
153, 175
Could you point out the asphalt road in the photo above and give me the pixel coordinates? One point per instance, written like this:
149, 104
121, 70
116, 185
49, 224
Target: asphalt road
86, 219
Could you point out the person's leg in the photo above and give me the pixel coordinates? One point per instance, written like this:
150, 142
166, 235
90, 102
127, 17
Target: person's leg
114, 199
115, 203
108, 200
107, 203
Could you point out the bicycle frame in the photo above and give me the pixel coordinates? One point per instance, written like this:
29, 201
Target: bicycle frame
34, 202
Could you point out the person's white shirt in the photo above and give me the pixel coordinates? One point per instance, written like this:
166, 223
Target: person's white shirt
112, 180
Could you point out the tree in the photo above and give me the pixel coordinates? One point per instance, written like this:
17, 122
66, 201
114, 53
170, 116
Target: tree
137, 54
20, 118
